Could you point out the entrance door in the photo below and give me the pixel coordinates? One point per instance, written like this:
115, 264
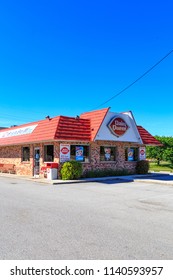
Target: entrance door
36, 162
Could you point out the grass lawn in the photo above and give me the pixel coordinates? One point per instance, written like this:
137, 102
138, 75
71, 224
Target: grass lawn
164, 166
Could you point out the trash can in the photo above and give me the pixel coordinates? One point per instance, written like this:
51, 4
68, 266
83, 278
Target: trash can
52, 170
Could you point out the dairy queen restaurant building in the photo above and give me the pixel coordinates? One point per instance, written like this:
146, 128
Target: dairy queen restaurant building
99, 139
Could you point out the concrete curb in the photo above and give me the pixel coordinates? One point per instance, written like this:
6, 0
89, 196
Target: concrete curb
129, 178
161, 182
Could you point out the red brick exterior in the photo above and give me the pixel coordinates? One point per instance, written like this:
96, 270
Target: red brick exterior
13, 155
119, 163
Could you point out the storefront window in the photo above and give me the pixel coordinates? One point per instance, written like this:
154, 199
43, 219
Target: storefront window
79, 153
107, 153
131, 154
49, 153
25, 154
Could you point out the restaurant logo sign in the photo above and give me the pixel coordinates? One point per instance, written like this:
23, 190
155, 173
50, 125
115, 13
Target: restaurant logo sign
64, 152
142, 153
118, 126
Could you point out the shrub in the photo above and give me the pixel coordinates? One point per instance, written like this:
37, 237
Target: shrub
142, 167
95, 173
71, 170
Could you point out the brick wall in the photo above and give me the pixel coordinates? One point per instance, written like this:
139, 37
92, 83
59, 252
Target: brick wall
95, 162
119, 163
13, 155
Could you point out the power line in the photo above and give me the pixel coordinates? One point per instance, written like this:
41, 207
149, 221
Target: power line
20, 116
130, 85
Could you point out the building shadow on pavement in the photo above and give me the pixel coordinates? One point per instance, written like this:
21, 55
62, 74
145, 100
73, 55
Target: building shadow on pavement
160, 177
116, 181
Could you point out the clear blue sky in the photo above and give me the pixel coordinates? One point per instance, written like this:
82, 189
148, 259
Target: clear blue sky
68, 57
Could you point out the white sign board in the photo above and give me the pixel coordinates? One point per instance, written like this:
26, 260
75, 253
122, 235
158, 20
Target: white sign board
119, 127
18, 131
64, 152
142, 153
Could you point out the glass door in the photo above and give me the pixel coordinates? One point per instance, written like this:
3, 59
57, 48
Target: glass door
36, 162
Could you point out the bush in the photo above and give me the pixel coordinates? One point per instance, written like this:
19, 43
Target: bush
71, 170
95, 173
142, 167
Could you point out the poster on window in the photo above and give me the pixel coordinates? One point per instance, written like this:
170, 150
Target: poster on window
64, 152
79, 153
142, 153
131, 155
107, 153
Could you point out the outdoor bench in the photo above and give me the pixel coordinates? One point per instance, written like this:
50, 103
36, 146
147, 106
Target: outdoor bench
7, 168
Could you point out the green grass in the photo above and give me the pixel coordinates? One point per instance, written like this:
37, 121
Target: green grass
164, 166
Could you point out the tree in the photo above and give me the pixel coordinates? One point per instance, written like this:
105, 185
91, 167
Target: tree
164, 152
155, 153
168, 154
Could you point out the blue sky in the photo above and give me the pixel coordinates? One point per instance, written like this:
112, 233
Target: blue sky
68, 57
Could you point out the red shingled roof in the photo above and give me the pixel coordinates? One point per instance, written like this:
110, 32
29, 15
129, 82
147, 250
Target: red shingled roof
147, 138
96, 118
58, 128
44, 131
73, 129
84, 129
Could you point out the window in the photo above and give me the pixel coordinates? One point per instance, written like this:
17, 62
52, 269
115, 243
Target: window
107, 153
131, 154
79, 153
25, 154
49, 153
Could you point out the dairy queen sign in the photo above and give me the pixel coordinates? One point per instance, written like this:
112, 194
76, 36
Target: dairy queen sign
64, 152
118, 126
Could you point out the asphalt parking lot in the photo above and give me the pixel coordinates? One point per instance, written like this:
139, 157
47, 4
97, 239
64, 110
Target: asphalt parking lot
110, 219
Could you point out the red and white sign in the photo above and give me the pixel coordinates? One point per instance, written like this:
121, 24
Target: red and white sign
118, 126
142, 153
64, 152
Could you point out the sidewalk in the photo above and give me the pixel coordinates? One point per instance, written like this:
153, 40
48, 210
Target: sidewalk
153, 177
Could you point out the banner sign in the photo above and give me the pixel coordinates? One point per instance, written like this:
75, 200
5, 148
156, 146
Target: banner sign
64, 152
107, 153
18, 131
142, 153
79, 153
131, 155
